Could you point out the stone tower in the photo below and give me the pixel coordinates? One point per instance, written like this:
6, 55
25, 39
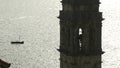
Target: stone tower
80, 34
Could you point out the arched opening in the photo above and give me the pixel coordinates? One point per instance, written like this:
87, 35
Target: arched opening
80, 38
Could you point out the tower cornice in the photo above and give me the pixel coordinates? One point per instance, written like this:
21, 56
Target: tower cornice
80, 2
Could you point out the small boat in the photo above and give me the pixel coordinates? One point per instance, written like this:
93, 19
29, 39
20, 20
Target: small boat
17, 42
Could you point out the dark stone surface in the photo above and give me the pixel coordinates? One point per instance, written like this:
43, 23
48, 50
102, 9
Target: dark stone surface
84, 15
4, 64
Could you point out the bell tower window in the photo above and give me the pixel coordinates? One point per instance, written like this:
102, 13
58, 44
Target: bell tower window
80, 38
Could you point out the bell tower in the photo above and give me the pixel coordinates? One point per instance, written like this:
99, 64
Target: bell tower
80, 34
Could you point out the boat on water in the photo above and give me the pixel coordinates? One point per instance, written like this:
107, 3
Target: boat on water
17, 42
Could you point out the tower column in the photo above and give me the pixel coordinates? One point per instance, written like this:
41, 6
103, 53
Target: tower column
80, 34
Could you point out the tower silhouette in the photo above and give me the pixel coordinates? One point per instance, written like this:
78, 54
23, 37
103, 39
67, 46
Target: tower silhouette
80, 34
